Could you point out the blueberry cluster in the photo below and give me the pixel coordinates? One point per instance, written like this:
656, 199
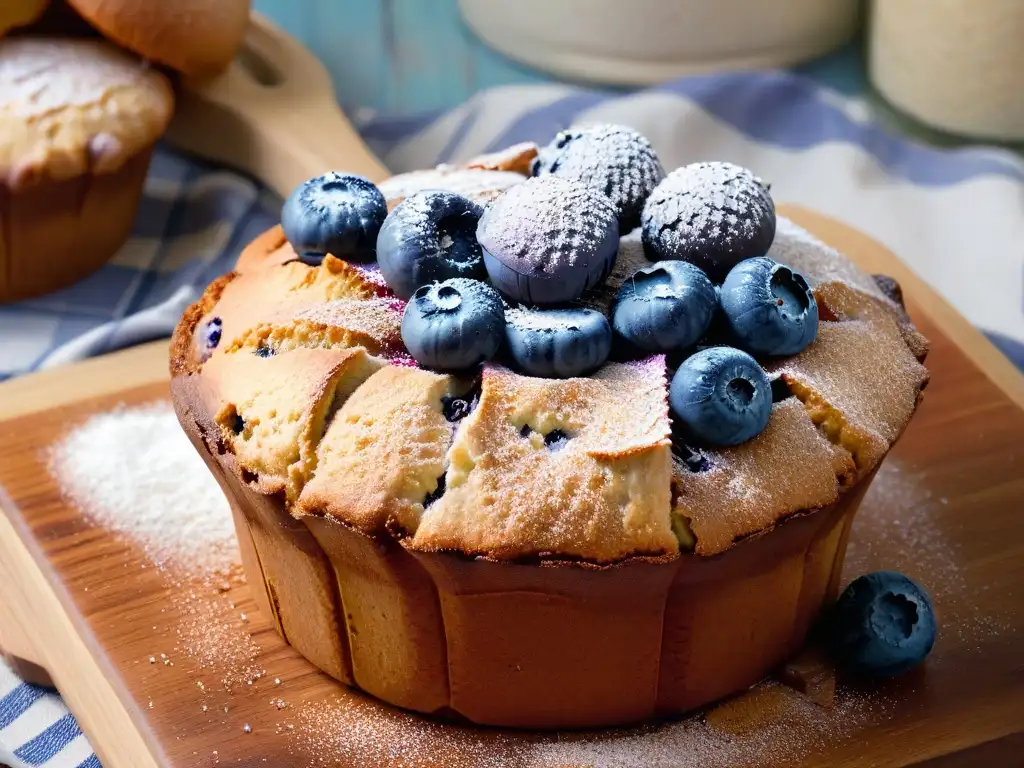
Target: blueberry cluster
507, 280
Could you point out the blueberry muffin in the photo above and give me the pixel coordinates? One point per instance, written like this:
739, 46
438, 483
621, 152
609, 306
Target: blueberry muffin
78, 121
512, 464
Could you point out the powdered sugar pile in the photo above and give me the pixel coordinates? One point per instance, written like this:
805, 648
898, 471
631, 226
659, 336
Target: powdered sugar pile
134, 471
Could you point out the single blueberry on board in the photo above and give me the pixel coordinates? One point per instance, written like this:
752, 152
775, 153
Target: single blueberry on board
453, 325
665, 307
770, 308
882, 625
340, 214
429, 237
557, 343
612, 159
721, 396
713, 215
549, 239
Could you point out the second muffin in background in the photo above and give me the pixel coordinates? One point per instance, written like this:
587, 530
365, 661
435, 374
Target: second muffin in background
78, 121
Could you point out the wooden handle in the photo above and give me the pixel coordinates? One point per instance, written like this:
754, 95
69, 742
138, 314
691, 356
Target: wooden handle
272, 114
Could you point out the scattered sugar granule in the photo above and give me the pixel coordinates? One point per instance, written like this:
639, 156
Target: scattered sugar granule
134, 471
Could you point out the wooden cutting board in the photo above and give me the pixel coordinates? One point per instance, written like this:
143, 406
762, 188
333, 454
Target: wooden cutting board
946, 508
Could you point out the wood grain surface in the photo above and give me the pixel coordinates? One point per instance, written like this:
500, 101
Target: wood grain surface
946, 509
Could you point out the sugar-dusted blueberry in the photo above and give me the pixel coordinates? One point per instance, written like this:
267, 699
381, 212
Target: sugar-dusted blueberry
664, 307
612, 159
336, 213
882, 625
429, 237
769, 307
453, 325
711, 214
721, 396
547, 240
557, 343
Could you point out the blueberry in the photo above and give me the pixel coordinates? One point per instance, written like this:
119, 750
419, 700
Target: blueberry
335, 213
429, 237
212, 333
882, 625
721, 396
770, 308
665, 306
558, 343
547, 240
456, 408
614, 160
453, 325
711, 214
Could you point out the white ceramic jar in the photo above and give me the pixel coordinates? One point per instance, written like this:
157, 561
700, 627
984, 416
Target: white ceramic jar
638, 42
957, 65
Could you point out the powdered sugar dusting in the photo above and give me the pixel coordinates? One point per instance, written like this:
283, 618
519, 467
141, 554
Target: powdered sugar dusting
547, 224
212, 633
472, 183
801, 251
551, 320
768, 726
629, 259
611, 159
134, 471
358, 731
706, 208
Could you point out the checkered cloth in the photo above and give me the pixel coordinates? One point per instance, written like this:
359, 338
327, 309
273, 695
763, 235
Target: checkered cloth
193, 221
954, 215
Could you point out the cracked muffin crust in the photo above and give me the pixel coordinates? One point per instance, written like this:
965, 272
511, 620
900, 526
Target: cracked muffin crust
611, 489
524, 551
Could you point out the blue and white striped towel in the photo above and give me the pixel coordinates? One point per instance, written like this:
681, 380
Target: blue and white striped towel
956, 216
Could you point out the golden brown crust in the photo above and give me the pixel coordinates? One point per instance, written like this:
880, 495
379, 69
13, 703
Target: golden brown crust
860, 383
612, 491
383, 452
790, 467
183, 356
73, 107
518, 158
195, 37
270, 412
600, 493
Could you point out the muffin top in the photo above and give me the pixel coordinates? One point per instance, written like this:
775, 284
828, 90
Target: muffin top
305, 377
70, 107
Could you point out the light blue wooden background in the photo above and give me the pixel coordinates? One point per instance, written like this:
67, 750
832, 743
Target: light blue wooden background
404, 56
